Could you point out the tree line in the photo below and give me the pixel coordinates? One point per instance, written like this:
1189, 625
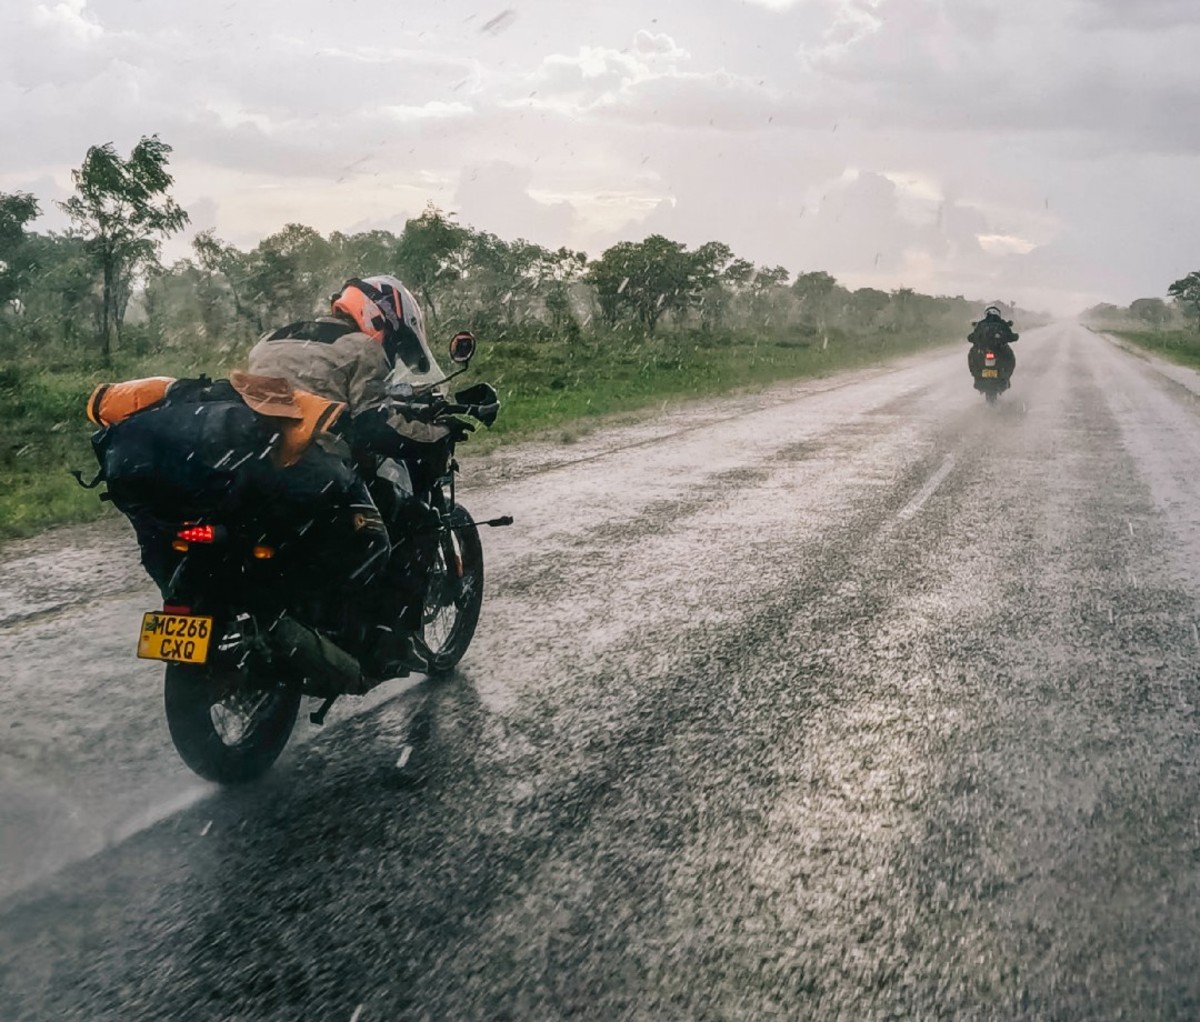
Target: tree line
1183, 310
101, 285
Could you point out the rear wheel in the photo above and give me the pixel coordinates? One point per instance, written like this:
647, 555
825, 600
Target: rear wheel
991, 396
454, 595
226, 730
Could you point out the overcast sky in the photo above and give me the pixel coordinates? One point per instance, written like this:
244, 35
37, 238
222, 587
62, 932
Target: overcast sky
1042, 150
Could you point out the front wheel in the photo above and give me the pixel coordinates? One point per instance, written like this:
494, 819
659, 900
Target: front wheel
224, 729
454, 595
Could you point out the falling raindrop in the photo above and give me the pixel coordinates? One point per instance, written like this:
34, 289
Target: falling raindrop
500, 23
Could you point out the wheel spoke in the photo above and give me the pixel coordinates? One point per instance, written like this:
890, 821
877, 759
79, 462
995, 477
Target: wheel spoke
235, 717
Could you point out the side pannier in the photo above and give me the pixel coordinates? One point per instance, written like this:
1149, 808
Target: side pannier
178, 448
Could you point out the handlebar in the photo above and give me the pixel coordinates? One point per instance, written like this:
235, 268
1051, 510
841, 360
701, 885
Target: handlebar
432, 407
484, 413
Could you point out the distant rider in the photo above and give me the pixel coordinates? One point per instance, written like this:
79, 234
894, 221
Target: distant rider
374, 335
993, 333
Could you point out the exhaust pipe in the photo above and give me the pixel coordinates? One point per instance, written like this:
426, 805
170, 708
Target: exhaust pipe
324, 668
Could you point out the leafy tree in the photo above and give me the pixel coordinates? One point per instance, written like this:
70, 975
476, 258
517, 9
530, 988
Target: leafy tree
220, 264
1102, 313
170, 300
816, 284
818, 294
715, 303
1186, 292
710, 263
644, 279
763, 295
16, 211
508, 277
720, 277
561, 309
739, 274
122, 207
1152, 311
609, 275
288, 275
63, 300
907, 307
361, 255
867, 303
430, 253
767, 277
564, 268
187, 303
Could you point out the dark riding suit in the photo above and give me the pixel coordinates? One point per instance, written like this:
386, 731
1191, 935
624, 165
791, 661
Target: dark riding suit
995, 335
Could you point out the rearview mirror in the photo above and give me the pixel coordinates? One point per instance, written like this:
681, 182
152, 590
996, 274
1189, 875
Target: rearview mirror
462, 348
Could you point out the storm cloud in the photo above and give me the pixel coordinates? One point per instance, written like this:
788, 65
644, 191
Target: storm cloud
1042, 152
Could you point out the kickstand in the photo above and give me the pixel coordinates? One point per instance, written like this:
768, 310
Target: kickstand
318, 718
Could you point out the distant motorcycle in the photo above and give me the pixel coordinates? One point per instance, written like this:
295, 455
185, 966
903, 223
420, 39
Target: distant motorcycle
991, 359
243, 641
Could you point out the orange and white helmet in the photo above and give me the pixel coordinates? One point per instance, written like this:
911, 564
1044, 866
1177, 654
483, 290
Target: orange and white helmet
386, 311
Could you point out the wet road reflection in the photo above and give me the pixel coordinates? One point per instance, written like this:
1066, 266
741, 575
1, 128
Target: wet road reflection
868, 703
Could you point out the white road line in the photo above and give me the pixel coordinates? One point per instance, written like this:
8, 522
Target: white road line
913, 506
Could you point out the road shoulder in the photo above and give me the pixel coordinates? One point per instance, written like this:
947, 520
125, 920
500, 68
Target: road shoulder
1187, 378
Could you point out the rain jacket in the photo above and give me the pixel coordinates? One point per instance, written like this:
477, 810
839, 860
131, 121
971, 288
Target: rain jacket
330, 358
992, 330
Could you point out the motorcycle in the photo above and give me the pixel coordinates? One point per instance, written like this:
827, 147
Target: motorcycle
243, 642
992, 372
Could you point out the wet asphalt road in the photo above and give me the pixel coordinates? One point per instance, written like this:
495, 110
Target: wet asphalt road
854, 700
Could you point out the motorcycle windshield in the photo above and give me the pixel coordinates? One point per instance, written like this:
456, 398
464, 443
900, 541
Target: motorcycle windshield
430, 372
414, 362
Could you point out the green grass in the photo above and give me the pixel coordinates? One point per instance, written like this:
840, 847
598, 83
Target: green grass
47, 434
552, 388
1182, 346
545, 385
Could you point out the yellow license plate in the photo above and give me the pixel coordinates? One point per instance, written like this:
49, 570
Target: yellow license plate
991, 374
175, 638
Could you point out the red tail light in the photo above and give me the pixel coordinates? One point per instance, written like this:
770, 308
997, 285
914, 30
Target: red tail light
198, 534
990, 354
176, 608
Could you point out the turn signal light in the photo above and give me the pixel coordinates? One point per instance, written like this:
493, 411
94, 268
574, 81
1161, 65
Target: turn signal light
264, 553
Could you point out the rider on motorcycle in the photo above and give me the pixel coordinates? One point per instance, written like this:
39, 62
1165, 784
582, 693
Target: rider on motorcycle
374, 335
993, 333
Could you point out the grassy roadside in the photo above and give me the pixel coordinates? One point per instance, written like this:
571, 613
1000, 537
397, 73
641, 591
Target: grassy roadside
555, 386
46, 435
1181, 346
547, 387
